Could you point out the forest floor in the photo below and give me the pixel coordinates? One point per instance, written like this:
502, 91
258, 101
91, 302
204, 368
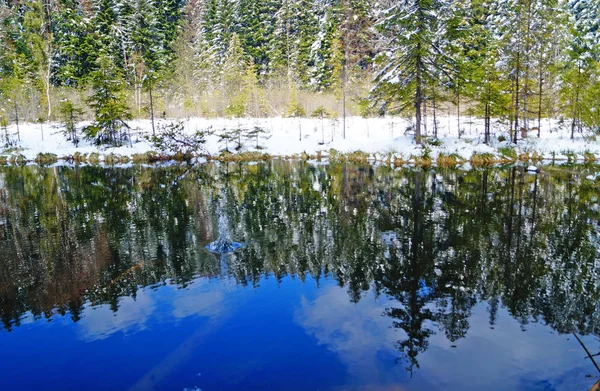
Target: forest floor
384, 140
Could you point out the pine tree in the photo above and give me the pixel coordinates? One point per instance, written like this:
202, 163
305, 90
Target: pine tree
326, 54
150, 55
411, 58
255, 25
235, 65
38, 36
108, 103
74, 57
581, 69
477, 54
295, 32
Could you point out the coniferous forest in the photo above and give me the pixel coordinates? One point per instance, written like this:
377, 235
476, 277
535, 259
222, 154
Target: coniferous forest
114, 60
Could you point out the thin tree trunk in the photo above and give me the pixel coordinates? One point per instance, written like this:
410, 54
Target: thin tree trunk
458, 108
486, 128
17, 122
527, 67
344, 97
541, 86
418, 101
48, 74
518, 71
576, 105
425, 117
435, 129
152, 112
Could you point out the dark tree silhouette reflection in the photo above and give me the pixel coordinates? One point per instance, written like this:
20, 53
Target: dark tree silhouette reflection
435, 242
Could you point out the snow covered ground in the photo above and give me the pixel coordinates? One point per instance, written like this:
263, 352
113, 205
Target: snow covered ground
292, 136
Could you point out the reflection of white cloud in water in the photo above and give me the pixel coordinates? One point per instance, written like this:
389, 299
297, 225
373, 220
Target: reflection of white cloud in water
201, 298
357, 333
200, 301
505, 358
100, 322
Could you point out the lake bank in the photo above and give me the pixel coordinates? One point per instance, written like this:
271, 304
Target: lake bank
375, 140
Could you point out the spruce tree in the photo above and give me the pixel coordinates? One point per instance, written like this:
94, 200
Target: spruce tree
74, 57
108, 103
291, 46
255, 25
581, 73
235, 64
326, 52
151, 56
411, 59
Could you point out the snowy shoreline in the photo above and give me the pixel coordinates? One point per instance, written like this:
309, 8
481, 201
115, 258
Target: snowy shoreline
374, 139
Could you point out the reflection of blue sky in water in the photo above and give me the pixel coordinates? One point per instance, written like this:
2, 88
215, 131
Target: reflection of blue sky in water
357, 333
216, 335
505, 357
166, 304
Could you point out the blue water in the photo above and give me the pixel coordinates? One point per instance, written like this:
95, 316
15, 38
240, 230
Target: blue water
127, 298
215, 335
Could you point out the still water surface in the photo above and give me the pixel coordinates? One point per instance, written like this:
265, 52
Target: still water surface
351, 278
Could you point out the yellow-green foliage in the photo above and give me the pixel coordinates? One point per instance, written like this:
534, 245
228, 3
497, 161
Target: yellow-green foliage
80, 157
248, 156
358, 157
333, 154
148, 157
182, 157
589, 157
94, 158
422, 161
18, 160
113, 158
3, 160
46, 158
508, 154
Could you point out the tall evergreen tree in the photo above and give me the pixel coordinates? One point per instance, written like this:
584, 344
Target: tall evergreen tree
108, 102
581, 72
412, 56
255, 26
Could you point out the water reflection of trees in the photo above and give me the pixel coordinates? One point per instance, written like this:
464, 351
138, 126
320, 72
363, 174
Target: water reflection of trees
437, 242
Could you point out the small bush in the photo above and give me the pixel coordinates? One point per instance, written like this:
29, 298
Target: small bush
172, 139
94, 158
69, 115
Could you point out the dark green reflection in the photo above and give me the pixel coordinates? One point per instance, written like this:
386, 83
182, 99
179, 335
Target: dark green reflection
437, 242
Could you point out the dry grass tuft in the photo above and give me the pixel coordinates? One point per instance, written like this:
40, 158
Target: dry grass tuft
398, 161
444, 160
589, 157
524, 157
483, 160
